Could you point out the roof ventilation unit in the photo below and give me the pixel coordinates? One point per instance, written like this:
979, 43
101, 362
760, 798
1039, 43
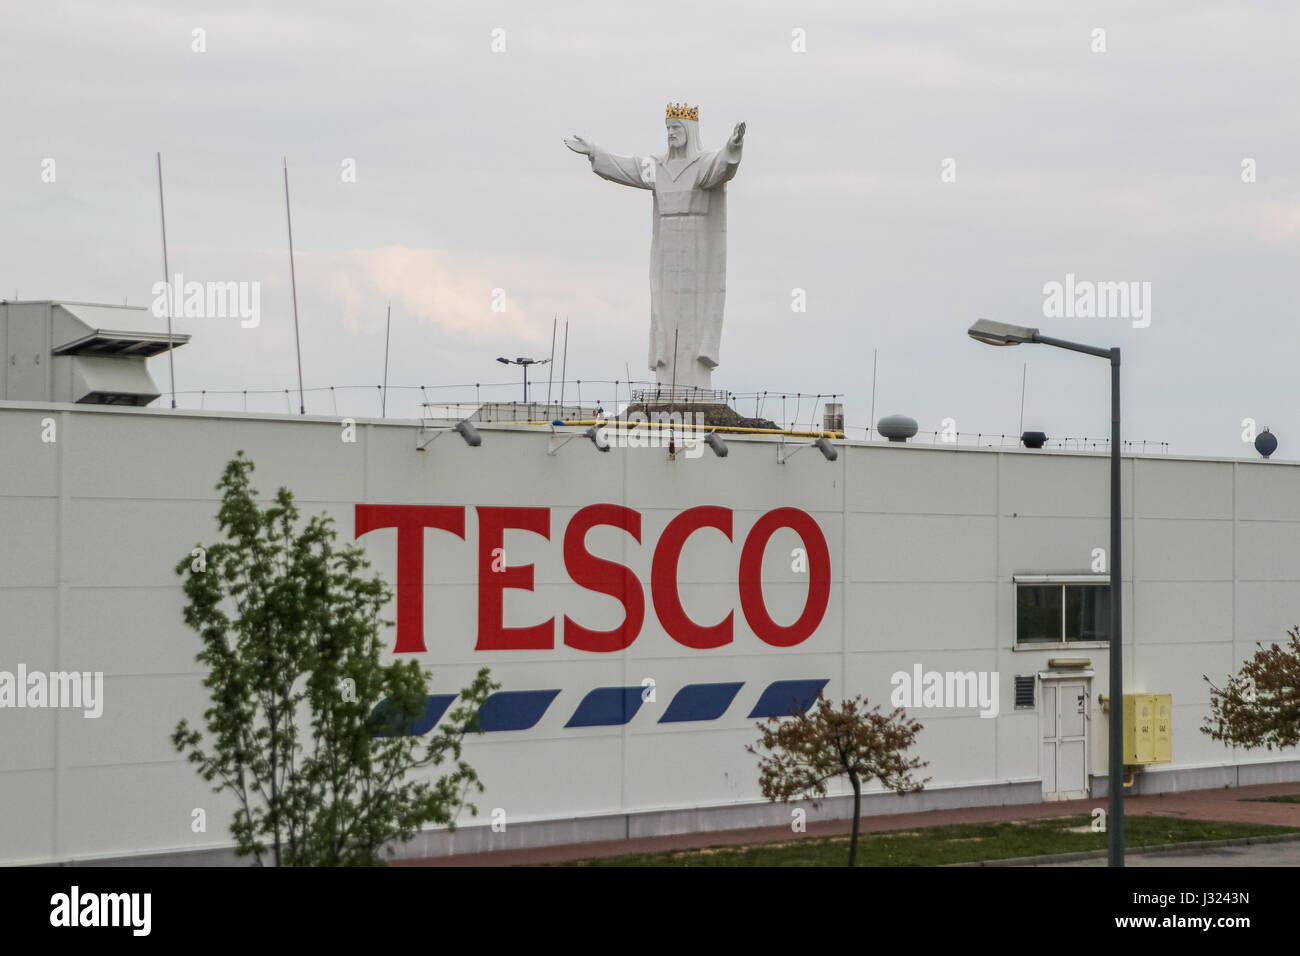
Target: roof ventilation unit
897, 427
72, 352
1266, 442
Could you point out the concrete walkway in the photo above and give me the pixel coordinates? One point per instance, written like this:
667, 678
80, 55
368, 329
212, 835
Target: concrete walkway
1241, 855
1226, 805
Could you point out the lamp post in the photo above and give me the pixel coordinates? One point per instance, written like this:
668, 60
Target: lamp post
525, 362
999, 333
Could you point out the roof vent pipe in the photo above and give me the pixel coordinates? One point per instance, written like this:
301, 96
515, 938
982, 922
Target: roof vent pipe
1266, 442
897, 427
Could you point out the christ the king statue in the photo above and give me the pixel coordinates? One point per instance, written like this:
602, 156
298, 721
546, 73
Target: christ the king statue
688, 256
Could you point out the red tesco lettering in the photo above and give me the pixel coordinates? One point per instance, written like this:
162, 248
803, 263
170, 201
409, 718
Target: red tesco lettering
600, 575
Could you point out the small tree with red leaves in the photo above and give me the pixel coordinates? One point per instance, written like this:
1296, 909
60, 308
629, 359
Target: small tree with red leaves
810, 748
1260, 704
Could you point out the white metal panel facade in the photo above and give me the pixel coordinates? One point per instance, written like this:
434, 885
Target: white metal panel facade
924, 544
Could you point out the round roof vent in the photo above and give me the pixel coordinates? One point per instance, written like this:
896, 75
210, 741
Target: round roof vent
1034, 439
1266, 442
897, 427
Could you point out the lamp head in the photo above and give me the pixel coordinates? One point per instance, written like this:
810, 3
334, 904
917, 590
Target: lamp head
1000, 333
467, 431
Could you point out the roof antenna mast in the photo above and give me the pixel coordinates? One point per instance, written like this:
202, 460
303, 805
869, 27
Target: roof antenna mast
167, 285
293, 281
564, 370
550, 372
388, 329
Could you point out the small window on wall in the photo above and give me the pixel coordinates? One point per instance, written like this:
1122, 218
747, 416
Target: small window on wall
1052, 613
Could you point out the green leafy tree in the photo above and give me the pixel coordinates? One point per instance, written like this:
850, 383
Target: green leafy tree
1259, 706
306, 726
808, 749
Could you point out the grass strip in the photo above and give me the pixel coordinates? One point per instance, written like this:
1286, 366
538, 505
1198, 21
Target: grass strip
941, 845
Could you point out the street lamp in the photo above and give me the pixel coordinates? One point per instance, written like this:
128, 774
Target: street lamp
999, 333
525, 362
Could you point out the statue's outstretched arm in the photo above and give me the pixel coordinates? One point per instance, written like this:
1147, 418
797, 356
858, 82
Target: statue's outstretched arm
722, 165
636, 171
579, 145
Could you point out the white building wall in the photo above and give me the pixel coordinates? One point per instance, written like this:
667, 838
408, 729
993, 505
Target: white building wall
924, 544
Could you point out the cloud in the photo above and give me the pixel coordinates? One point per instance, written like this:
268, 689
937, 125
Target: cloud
1279, 222
455, 294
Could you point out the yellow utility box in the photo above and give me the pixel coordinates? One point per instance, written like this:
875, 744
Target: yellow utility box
1163, 706
1148, 728
1139, 733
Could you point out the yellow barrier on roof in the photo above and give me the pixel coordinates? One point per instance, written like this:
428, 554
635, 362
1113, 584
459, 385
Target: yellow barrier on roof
732, 429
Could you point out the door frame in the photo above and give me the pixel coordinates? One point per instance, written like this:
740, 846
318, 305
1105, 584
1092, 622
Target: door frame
1057, 679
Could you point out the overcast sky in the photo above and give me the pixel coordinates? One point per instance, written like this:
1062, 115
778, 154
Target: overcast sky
1119, 166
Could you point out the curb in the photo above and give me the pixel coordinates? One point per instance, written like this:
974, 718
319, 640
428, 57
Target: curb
1161, 848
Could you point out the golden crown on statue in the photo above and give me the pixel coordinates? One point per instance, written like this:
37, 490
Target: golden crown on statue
682, 111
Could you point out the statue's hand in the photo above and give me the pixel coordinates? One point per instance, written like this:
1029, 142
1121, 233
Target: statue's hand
738, 135
578, 145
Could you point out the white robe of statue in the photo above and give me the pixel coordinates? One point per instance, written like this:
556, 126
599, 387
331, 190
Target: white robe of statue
688, 256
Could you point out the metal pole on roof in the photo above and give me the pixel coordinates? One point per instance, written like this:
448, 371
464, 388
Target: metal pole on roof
871, 423
167, 286
564, 370
293, 281
550, 372
1024, 375
383, 402
672, 391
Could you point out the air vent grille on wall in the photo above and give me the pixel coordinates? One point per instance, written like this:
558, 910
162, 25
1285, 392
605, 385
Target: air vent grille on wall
1025, 692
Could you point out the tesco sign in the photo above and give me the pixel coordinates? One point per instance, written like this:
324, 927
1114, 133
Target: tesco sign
599, 574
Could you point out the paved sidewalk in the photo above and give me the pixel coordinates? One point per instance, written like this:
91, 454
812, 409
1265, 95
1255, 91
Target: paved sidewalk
1241, 855
1226, 805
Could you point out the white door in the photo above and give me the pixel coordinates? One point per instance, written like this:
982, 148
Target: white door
1065, 739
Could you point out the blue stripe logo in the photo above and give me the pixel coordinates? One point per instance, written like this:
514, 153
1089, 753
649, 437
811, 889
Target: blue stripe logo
607, 707
784, 698
515, 709
389, 723
701, 702
612, 706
